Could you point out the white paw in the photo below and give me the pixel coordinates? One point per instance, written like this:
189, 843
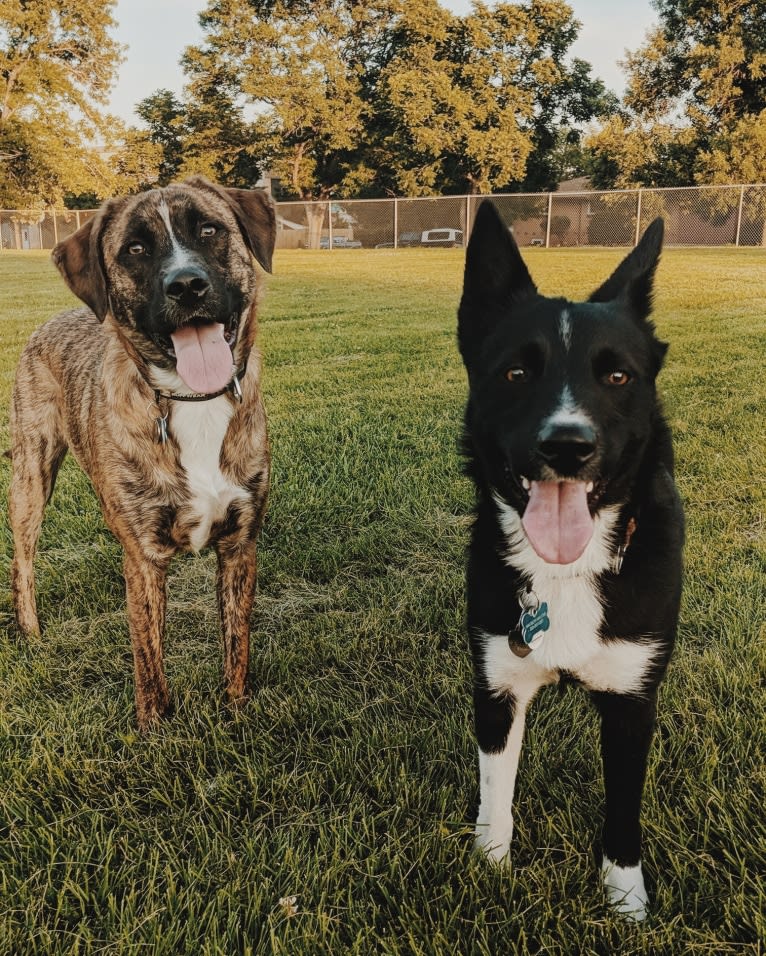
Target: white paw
625, 889
494, 841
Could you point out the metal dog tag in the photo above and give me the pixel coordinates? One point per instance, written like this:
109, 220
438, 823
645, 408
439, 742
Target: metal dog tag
533, 624
161, 424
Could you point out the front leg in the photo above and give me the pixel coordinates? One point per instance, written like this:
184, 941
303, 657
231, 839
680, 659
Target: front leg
146, 597
627, 724
499, 732
236, 582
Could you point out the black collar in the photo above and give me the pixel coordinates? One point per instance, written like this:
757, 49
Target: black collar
161, 400
234, 387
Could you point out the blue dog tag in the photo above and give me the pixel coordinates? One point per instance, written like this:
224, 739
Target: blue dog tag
533, 624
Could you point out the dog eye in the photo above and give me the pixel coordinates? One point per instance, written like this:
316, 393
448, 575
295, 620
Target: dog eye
207, 231
517, 374
136, 248
618, 377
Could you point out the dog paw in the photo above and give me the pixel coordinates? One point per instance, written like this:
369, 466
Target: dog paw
625, 890
150, 714
494, 844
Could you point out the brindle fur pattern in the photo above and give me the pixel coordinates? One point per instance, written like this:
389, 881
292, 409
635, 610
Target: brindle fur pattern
85, 384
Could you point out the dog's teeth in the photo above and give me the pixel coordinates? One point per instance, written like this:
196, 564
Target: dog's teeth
589, 487
525, 484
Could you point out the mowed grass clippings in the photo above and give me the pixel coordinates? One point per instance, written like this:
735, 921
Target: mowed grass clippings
349, 781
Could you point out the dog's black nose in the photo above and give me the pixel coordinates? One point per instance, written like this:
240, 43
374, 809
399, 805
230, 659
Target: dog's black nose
187, 286
566, 448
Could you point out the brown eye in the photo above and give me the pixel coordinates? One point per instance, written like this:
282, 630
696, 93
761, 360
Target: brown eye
517, 374
136, 248
618, 377
207, 231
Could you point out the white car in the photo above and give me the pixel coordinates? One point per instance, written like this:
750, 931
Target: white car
442, 237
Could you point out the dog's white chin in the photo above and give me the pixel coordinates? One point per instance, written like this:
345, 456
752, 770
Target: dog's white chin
625, 890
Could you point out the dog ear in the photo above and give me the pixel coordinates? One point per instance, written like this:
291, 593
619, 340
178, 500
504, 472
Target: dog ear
494, 269
495, 278
255, 215
633, 279
78, 259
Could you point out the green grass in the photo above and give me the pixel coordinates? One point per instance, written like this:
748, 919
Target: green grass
350, 779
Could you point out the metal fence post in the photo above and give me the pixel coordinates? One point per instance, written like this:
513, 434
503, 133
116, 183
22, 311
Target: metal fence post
329, 224
739, 214
396, 223
638, 218
467, 227
55, 228
548, 222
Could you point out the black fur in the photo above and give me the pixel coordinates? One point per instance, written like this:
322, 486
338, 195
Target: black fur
505, 325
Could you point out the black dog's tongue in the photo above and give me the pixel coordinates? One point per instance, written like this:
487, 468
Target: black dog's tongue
557, 520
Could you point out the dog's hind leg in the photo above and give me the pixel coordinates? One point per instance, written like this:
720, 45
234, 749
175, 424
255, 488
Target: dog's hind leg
37, 450
627, 724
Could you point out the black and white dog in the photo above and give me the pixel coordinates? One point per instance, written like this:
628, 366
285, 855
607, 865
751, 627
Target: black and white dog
574, 566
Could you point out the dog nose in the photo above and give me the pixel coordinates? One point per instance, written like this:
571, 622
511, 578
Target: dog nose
187, 286
566, 448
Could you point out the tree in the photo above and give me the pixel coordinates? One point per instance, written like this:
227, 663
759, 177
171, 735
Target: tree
288, 63
558, 151
167, 124
350, 97
57, 63
696, 88
482, 101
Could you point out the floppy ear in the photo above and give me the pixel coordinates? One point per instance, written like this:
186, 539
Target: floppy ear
255, 215
78, 259
495, 278
633, 279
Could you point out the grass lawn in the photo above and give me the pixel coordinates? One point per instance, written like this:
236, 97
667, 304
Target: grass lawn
350, 779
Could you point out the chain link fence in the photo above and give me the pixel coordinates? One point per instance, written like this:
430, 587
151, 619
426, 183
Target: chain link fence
694, 216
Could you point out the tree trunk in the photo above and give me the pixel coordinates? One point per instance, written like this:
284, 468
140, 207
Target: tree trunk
315, 212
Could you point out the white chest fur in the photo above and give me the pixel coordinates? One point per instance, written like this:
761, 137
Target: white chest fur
575, 611
199, 429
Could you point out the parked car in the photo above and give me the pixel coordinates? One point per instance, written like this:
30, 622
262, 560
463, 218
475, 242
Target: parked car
442, 237
428, 237
405, 240
339, 242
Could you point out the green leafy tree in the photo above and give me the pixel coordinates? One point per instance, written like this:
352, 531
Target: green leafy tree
372, 97
288, 64
482, 101
696, 97
167, 127
57, 64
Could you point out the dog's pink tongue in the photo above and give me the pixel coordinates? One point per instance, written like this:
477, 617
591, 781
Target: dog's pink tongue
203, 358
557, 520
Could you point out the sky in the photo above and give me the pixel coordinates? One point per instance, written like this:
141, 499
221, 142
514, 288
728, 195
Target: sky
157, 31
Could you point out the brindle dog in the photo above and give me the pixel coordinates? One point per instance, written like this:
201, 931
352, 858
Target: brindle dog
155, 388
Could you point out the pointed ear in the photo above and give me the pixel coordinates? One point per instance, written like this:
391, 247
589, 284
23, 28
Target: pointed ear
79, 260
495, 278
633, 279
494, 269
255, 215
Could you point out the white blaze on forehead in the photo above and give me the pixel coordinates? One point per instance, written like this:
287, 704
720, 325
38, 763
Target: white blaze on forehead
565, 328
180, 255
567, 412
